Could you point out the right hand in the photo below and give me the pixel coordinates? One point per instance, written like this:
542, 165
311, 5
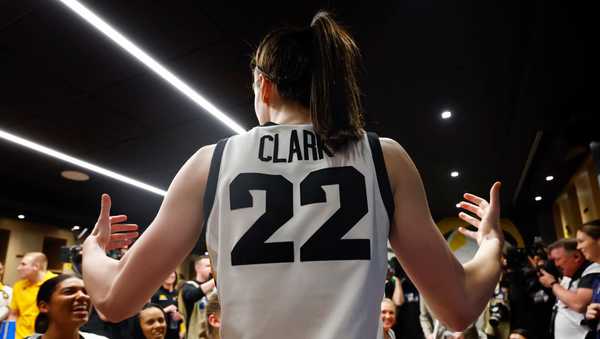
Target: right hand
488, 224
592, 311
110, 232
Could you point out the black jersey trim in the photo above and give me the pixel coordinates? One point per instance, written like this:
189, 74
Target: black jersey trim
382, 175
268, 123
213, 178
210, 192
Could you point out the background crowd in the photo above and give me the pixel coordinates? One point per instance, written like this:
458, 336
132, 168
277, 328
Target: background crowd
548, 291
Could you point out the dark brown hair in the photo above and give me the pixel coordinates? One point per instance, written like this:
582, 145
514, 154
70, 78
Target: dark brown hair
592, 229
317, 67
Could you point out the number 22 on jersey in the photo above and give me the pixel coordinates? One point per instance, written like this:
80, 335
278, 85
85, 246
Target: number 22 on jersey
326, 243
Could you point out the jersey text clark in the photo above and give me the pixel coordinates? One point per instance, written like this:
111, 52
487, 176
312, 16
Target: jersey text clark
307, 147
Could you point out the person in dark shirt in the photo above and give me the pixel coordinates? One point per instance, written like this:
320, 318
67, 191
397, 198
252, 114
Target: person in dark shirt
166, 297
194, 290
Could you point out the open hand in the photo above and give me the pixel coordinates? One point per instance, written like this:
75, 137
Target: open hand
592, 312
488, 216
110, 232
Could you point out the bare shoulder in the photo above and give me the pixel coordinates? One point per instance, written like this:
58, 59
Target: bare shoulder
195, 170
397, 160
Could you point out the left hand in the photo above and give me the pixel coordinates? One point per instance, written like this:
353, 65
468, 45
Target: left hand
110, 233
546, 279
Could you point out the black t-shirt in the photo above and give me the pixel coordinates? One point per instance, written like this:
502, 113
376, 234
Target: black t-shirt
164, 297
191, 293
588, 280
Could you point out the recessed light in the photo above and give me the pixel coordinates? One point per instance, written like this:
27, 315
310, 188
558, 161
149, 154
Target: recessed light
454, 174
538, 198
21, 216
75, 175
446, 115
549, 178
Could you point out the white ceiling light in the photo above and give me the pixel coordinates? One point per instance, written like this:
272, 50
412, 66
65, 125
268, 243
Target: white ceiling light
549, 178
538, 198
147, 60
75, 175
77, 162
446, 115
454, 174
21, 216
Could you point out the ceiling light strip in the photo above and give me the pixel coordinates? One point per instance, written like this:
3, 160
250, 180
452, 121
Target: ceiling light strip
77, 162
147, 60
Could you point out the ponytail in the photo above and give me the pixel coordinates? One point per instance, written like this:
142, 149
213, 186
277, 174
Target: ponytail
318, 68
335, 105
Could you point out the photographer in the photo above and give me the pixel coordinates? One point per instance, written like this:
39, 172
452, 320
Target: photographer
574, 290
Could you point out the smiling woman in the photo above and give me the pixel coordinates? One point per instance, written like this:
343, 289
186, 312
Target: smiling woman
151, 323
64, 307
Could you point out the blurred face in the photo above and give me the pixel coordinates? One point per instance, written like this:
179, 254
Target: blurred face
588, 246
69, 304
567, 263
171, 279
27, 268
152, 322
388, 315
203, 269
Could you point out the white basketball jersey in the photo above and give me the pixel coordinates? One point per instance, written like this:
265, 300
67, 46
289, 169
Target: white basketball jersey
298, 236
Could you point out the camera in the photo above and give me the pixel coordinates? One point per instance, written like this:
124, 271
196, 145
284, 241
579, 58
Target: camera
498, 313
72, 254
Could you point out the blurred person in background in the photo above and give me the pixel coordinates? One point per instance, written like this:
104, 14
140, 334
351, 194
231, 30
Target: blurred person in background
197, 288
213, 316
23, 307
434, 329
573, 291
519, 333
388, 318
393, 287
5, 296
151, 323
588, 242
64, 306
166, 297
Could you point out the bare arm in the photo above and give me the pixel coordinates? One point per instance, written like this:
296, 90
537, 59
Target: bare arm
577, 300
119, 289
457, 299
398, 296
13, 314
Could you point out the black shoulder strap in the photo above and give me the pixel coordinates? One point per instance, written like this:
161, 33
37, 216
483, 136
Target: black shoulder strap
213, 177
209, 192
382, 175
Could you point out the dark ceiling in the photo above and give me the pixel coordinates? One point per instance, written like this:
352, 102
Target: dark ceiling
508, 70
